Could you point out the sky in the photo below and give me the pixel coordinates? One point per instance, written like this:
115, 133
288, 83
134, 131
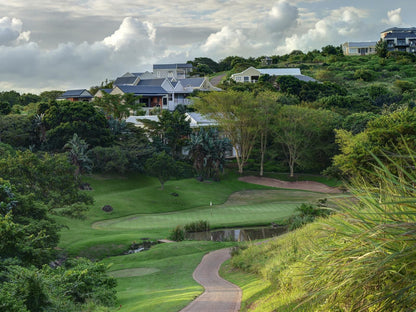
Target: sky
76, 44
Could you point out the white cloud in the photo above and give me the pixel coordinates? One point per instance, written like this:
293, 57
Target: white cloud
11, 31
71, 65
131, 33
340, 25
394, 17
281, 17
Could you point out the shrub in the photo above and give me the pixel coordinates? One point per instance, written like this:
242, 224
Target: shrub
197, 226
177, 234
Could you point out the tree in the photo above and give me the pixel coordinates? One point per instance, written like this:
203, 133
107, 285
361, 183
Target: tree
5, 108
385, 136
266, 112
208, 150
381, 48
161, 166
17, 130
50, 178
305, 134
116, 105
64, 118
234, 113
77, 154
170, 133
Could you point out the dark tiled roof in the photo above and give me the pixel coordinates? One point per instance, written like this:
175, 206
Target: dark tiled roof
106, 90
143, 90
75, 93
400, 35
362, 44
398, 29
124, 81
304, 78
151, 82
191, 82
170, 66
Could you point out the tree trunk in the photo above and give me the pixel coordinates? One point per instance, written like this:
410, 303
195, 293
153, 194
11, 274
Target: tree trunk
263, 142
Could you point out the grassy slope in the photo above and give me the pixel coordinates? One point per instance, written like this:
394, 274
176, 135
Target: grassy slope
274, 282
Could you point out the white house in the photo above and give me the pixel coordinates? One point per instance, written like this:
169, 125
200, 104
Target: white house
359, 48
252, 74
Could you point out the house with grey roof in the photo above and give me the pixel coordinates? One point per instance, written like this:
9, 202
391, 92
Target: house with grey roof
252, 74
132, 79
400, 39
100, 93
149, 96
76, 95
177, 71
359, 48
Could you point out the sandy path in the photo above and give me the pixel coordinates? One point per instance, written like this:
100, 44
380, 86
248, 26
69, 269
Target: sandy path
298, 185
220, 295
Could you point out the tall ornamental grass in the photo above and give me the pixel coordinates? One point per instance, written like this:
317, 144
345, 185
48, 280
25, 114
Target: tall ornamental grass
368, 260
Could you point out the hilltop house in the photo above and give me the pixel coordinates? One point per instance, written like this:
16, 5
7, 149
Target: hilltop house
252, 74
177, 71
400, 39
359, 48
76, 95
166, 93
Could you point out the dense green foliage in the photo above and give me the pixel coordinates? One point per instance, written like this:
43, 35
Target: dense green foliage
62, 119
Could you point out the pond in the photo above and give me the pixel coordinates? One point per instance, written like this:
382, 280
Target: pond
238, 235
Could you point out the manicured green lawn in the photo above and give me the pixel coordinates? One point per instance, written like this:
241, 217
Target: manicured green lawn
141, 210
161, 278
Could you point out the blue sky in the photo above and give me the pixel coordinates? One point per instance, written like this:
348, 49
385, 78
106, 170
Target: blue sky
53, 44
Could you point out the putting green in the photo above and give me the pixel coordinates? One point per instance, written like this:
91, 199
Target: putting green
261, 207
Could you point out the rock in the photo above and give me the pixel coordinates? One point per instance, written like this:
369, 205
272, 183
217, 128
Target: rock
107, 208
85, 187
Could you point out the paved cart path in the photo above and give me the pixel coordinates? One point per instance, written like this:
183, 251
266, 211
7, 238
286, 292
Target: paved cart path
220, 295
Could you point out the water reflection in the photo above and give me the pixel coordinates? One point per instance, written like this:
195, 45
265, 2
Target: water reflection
237, 235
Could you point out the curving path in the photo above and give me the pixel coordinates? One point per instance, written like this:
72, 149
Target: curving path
220, 295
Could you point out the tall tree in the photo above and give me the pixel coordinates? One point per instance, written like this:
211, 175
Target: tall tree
161, 166
267, 110
170, 133
235, 114
77, 154
116, 105
305, 134
208, 150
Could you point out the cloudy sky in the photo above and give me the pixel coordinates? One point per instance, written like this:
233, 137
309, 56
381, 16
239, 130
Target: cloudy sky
71, 44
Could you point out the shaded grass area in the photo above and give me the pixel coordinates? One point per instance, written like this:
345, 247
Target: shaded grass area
168, 284
332, 182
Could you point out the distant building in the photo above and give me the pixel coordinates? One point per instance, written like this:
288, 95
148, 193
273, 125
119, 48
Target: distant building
359, 48
252, 74
400, 39
177, 71
76, 95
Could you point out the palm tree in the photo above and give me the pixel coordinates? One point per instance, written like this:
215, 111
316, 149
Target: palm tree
77, 154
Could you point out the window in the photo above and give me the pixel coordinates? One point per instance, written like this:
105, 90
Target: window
246, 79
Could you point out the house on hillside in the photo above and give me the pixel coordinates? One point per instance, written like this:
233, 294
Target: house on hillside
76, 95
100, 93
132, 79
359, 48
400, 39
166, 93
177, 71
252, 74
150, 96
196, 120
